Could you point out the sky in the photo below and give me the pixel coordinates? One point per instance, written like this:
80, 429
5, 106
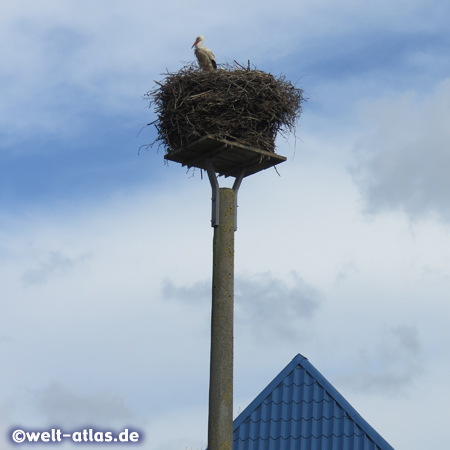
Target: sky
106, 252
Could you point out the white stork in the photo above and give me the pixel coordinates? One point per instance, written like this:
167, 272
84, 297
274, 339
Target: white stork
205, 57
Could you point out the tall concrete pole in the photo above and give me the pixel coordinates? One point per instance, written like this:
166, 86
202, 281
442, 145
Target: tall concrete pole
220, 421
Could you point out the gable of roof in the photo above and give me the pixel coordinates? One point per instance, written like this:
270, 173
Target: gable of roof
301, 410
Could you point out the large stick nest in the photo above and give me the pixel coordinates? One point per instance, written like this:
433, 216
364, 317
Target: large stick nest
239, 104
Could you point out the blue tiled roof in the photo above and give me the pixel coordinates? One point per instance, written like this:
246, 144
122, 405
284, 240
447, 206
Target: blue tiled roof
301, 410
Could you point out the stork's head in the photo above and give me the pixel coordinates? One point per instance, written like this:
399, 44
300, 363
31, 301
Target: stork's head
198, 40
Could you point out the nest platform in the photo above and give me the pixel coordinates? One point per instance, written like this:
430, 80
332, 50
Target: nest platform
233, 109
228, 158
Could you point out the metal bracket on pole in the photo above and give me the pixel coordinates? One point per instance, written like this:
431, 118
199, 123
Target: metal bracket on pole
215, 207
236, 185
215, 192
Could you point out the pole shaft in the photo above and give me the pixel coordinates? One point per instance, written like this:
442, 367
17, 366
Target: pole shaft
220, 421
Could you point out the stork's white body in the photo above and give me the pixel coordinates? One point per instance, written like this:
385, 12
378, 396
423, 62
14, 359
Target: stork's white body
205, 57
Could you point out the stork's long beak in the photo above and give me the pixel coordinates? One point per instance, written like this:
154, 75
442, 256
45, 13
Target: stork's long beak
195, 43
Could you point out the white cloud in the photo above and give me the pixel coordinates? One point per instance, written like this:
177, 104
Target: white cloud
55, 263
57, 404
272, 309
392, 367
404, 163
267, 309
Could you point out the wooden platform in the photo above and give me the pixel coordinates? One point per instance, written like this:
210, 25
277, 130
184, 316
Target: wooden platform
228, 158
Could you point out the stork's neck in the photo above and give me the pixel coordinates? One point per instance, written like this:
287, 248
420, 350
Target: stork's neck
199, 44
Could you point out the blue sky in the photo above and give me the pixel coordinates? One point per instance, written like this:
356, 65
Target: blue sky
105, 251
